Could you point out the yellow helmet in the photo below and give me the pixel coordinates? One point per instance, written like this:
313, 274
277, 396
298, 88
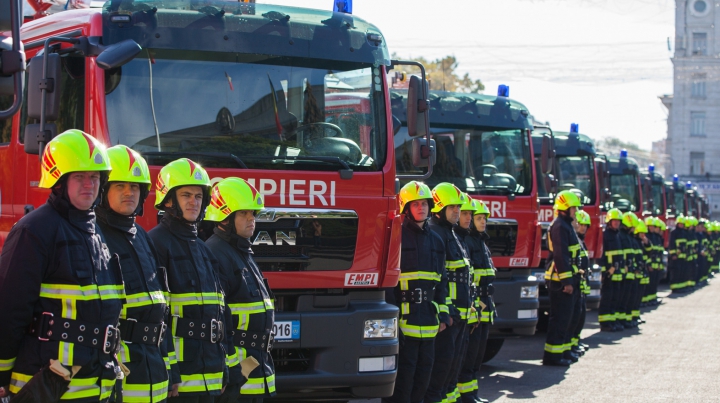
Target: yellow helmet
628, 219
662, 225
412, 191
641, 228
128, 166
613, 214
565, 200
72, 151
468, 204
178, 173
480, 207
650, 221
230, 195
582, 217
446, 194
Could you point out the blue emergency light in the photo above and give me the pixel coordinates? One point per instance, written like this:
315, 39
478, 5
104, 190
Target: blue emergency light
503, 90
675, 178
623, 153
342, 6
574, 128
651, 168
688, 185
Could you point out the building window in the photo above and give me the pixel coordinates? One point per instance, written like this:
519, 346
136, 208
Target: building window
700, 8
699, 43
697, 163
697, 123
698, 85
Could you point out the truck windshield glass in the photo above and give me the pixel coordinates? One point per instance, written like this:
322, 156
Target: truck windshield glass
658, 200
577, 173
476, 161
253, 108
624, 192
680, 201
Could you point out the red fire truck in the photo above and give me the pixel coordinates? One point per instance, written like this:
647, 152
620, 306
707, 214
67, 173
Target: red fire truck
483, 147
245, 90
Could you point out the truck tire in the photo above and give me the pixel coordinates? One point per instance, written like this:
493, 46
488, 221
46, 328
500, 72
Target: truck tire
493, 347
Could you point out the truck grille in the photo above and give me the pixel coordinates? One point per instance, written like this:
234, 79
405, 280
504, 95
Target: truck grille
291, 359
503, 236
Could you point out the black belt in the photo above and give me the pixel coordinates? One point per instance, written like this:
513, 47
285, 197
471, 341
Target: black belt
207, 330
458, 277
253, 340
417, 295
486, 291
133, 331
105, 337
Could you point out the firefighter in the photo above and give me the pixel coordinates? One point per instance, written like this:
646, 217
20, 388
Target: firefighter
447, 199
713, 255
612, 262
582, 219
629, 288
483, 276
693, 245
654, 262
234, 203
61, 290
145, 350
703, 256
421, 294
197, 305
677, 251
642, 276
562, 283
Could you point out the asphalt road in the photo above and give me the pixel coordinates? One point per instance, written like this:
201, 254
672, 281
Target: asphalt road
673, 357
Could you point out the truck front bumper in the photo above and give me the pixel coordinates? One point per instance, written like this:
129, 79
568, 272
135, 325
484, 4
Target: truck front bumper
516, 316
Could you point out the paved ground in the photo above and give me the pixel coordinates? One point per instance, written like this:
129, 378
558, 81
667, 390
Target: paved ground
674, 357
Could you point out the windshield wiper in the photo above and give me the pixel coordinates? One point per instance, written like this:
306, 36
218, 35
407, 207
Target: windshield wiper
187, 154
345, 173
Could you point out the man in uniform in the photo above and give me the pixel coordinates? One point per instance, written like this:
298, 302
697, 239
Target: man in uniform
447, 199
144, 349
197, 305
421, 295
61, 290
583, 223
677, 249
562, 283
483, 276
234, 203
612, 261
629, 288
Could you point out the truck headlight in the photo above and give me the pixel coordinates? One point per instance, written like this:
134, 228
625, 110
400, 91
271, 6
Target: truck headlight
596, 276
529, 291
380, 328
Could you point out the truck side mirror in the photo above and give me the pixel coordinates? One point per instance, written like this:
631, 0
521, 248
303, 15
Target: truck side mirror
118, 54
397, 124
422, 153
12, 56
50, 83
417, 107
550, 183
547, 154
33, 136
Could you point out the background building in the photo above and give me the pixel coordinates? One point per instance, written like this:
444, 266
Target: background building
693, 138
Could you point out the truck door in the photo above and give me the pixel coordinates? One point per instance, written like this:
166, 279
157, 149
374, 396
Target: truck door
6, 171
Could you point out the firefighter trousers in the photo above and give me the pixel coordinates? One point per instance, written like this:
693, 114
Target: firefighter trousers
415, 363
631, 287
467, 379
637, 299
580, 322
606, 315
445, 342
562, 307
461, 344
676, 274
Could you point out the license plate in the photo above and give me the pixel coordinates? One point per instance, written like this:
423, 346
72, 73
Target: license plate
287, 330
540, 275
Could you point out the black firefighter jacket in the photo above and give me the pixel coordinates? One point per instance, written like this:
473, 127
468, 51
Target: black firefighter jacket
197, 306
565, 251
55, 265
252, 308
145, 307
483, 271
459, 272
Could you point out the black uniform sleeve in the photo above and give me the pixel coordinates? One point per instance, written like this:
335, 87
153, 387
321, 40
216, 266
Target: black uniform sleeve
225, 269
23, 263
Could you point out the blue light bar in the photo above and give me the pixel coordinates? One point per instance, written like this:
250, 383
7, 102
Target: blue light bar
342, 6
503, 90
574, 128
688, 185
651, 168
675, 178
623, 153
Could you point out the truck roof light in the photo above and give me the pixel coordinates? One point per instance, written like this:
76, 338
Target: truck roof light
675, 178
503, 90
651, 168
574, 128
342, 6
688, 185
623, 153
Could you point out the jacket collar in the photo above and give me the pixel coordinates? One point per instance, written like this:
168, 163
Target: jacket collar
83, 220
242, 244
179, 227
115, 220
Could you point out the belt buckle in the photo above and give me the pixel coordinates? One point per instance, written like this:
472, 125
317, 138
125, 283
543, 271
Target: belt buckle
163, 328
420, 291
42, 321
109, 348
214, 326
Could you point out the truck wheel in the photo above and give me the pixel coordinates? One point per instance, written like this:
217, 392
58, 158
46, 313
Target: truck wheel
493, 347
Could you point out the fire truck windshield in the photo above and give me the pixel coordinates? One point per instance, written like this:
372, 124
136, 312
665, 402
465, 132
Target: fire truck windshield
624, 190
680, 201
249, 110
476, 161
577, 173
658, 200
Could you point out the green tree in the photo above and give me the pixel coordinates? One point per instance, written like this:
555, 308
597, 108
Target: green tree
442, 75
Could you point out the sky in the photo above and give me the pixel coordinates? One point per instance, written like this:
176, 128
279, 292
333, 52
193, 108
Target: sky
599, 63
